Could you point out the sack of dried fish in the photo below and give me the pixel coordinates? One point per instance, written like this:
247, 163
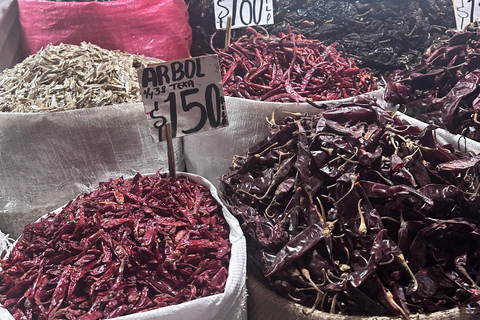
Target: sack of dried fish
66, 77
157, 29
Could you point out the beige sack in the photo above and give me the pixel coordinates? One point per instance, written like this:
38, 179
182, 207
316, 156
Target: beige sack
46, 159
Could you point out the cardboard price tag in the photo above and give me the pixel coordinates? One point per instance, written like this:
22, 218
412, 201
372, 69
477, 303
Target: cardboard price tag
243, 12
466, 11
188, 93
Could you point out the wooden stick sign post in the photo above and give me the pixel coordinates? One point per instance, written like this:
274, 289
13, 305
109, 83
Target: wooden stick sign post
186, 93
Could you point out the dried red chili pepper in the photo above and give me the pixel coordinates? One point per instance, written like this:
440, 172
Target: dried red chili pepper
129, 246
289, 68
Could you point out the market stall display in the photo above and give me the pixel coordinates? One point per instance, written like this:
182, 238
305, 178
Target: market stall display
349, 211
262, 73
359, 213
130, 246
382, 35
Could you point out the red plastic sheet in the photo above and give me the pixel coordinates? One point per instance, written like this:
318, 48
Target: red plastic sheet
154, 28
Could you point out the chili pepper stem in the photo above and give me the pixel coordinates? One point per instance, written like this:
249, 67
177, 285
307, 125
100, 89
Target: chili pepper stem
293, 298
334, 303
307, 276
363, 227
318, 299
475, 117
464, 272
381, 176
353, 178
404, 263
395, 304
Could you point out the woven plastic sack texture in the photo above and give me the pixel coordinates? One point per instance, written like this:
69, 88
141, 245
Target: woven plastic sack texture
154, 28
46, 159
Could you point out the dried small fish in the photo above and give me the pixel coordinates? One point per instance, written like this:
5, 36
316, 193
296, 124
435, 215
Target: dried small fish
66, 77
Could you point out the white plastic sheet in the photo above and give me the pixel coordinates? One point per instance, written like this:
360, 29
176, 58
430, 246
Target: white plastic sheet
445, 137
231, 304
46, 159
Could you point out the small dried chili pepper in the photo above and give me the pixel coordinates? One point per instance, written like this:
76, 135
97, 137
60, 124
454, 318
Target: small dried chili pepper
119, 250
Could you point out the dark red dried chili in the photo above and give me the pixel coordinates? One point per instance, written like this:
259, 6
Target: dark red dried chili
129, 246
362, 227
289, 68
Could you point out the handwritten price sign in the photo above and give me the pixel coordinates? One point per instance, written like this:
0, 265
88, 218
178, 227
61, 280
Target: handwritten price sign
466, 11
188, 93
243, 12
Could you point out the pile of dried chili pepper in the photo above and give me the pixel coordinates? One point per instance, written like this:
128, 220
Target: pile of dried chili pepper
382, 34
289, 68
356, 212
129, 246
444, 87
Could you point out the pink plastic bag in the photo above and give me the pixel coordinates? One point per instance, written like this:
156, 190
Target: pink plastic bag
153, 28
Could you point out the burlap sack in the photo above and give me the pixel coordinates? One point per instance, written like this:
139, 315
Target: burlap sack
231, 304
210, 153
46, 159
265, 304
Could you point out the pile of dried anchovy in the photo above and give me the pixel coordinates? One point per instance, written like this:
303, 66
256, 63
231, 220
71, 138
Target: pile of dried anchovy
66, 77
289, 68
358, 213
129, 246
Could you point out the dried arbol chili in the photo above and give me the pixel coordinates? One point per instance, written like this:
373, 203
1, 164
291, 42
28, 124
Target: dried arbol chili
129, 246
356, 212
289, 68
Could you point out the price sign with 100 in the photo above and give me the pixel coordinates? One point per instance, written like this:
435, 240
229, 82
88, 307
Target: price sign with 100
187, 93
243, 12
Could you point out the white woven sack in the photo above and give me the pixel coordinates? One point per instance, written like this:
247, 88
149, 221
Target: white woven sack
444, 137
10, 41
229, 305
46, 159
210, 154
